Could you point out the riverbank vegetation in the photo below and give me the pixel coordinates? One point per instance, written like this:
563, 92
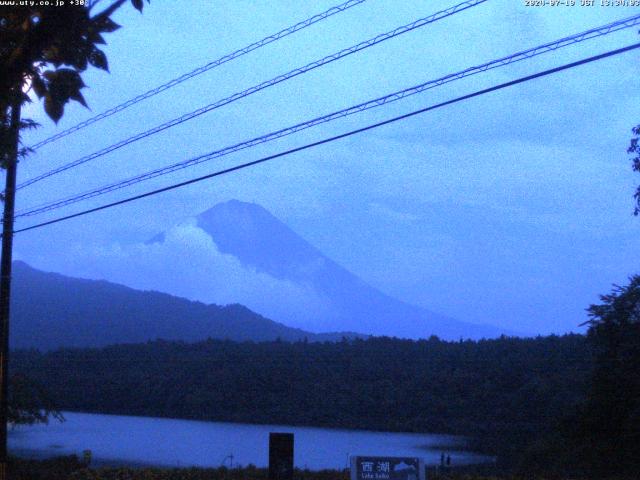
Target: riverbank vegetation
71, 468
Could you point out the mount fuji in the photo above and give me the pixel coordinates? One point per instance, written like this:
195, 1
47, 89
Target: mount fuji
320, 295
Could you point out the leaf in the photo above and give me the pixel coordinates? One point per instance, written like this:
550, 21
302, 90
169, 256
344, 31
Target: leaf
137, 4
69, 77
25, 152
98, 59
54, 108
96, 38
38, 85
78, 58
105, 24
28, 124
64, 84
77, 96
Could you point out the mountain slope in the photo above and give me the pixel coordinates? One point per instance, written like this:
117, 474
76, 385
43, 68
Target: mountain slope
262, 243
49, 310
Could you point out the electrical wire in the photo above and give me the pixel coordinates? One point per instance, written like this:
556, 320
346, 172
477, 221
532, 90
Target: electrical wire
516, 57
269, 83
338, 137
205, 68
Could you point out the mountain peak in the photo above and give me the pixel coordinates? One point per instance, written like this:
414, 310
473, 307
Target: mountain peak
240, 214
263, 244
238, 205
257, 238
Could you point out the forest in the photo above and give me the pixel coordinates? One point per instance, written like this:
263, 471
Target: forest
501, 393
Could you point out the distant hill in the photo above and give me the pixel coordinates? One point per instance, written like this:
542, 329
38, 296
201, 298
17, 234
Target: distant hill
49, 310
262, 243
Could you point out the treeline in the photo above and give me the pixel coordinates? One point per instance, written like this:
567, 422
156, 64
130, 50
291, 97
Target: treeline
505, 391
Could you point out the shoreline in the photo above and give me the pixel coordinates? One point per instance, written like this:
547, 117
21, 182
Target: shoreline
199, 443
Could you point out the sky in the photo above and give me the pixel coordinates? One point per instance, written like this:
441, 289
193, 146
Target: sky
513, 209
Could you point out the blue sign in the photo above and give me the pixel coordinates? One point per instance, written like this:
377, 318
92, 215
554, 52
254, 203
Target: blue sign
387, 468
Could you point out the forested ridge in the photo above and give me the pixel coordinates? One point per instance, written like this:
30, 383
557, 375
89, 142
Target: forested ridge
51, 310
507, 388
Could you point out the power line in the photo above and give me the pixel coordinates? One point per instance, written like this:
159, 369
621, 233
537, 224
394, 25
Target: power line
205, 68
338, 137
256, 88
516, 57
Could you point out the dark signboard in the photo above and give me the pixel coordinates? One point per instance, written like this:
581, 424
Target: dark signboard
387, 468
280, 456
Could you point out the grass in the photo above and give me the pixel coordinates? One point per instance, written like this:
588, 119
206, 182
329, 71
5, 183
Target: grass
73, 468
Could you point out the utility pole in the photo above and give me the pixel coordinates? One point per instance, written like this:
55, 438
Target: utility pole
5, 277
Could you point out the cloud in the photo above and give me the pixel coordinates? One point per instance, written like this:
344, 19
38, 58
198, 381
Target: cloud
188, 264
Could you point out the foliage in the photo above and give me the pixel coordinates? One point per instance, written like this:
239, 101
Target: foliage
29, 403
602, 437
634, 149
71, 468
60, 468
49, 47
46, 48
610, 423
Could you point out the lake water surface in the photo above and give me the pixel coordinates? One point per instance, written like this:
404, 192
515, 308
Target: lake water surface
115, 439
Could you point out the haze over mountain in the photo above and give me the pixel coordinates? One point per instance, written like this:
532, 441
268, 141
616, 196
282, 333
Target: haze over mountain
320, 295
49, 310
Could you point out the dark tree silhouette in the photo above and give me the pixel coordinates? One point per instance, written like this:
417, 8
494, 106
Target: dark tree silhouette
634, 149
29, 403
611, 420
44, 48
47, 48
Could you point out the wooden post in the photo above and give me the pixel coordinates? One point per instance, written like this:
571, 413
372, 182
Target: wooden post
280, 456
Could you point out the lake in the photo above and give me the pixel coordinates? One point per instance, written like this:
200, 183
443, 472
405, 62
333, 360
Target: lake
128, 440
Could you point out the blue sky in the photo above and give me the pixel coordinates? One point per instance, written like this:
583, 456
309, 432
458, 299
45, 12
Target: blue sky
513, 209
